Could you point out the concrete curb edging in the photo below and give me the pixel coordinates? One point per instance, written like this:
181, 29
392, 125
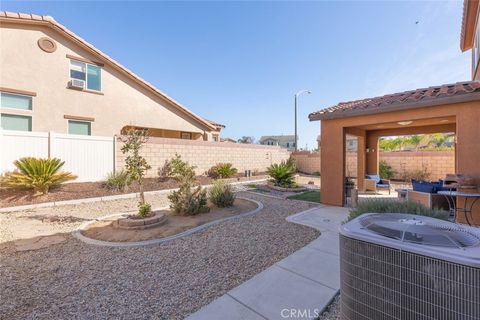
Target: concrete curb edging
105, 198
78, 232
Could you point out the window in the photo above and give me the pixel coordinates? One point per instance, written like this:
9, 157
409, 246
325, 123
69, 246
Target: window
16, 122
288, 145
79, 127
215, 138
15, 101
186, 135
89, 73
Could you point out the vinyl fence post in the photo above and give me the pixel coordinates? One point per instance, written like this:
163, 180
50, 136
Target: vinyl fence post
114, 153
51, 144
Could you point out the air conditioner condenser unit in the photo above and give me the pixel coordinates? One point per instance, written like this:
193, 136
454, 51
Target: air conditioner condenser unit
402, 266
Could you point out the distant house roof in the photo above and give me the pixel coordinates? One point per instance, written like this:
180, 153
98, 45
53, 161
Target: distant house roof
25, 18
282, 139
216, 124
425, 97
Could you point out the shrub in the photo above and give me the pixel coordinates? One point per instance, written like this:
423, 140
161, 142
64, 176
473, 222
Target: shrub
144, 209
188, 200
118, 180
221, 194
394, 206
222, 170
421, 175
136, 165
282, 174
180, 170
38, 174
316, 173
386, 171
292, 162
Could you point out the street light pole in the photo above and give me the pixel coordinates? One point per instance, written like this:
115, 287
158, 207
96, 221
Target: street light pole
296, 99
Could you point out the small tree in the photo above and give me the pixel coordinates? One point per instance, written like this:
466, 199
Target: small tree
135, 164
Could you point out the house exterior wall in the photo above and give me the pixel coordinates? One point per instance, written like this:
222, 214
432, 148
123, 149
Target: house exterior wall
122, 102
205, 154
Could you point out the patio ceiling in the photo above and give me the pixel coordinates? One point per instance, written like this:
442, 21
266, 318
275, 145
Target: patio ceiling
408, 123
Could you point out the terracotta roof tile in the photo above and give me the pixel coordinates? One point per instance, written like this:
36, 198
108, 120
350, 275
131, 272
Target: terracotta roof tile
50, 21
410, 98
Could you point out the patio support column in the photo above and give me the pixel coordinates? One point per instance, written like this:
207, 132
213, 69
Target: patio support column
361, 155
372, 153
332, 163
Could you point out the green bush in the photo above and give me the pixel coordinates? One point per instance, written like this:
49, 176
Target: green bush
386, 171
282, 174
221, 194
144, 209
118, 180
189, 199
395, 206
37, 174
222, 171
180, 170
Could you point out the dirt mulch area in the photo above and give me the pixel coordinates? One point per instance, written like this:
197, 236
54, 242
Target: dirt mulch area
104, 230
80, 190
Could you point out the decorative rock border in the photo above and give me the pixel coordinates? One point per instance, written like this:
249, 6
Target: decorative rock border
282, 189
130, 223
78, 232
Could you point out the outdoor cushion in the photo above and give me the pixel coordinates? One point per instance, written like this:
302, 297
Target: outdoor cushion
423, 186
374, 177
381, 185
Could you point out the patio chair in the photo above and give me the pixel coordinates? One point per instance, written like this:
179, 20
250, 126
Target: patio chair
373, 183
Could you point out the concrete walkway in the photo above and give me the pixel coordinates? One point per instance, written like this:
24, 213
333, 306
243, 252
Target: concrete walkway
297, 287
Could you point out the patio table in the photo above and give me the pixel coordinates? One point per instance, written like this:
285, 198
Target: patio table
466, 209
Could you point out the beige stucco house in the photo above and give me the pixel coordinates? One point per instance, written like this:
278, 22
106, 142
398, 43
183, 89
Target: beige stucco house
52, 80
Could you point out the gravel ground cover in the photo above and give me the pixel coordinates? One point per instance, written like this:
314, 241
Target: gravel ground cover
333, 310
73, 280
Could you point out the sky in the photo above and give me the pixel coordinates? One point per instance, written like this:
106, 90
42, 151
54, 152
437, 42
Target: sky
240, 63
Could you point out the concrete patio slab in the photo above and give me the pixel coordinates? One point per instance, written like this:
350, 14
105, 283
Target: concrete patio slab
328, 242
277, 289
327, 272
297, 287
226, 307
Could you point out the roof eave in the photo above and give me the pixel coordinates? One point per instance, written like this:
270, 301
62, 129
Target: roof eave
470, 8
468, 97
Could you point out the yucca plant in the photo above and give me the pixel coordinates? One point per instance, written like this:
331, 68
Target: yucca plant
282, 174
38, 174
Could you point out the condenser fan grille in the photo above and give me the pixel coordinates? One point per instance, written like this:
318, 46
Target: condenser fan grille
419, 230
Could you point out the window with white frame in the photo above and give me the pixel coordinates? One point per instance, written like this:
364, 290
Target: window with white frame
10, 120
79, 127
89, 73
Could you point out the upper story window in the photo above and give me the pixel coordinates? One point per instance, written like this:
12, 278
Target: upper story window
89, 73
15, 101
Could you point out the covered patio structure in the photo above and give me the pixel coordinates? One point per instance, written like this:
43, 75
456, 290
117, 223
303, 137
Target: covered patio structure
446, 108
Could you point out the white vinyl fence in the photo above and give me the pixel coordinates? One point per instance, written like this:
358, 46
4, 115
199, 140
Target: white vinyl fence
90, 158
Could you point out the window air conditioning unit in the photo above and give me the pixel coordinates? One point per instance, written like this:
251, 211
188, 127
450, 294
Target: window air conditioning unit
76, 83
403, 266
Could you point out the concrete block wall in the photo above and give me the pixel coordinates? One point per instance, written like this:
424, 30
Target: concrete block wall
439, 163
205, 154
